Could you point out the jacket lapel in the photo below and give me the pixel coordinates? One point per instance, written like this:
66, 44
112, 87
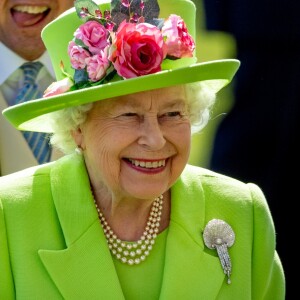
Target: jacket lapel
187, 260
84, 270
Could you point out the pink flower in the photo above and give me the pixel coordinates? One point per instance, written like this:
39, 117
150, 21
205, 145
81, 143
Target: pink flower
93, 35
179, 42
58, 87
77, 55
97, 66
137, 49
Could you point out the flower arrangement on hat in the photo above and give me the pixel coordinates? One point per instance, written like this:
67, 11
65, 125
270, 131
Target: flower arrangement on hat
129, 40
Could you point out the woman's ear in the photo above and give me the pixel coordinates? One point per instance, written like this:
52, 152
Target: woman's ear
78, 137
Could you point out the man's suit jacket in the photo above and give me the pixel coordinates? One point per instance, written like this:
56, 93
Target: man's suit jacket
15, 154
53, 246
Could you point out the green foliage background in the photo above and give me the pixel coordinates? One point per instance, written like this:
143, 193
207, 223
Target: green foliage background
211, 45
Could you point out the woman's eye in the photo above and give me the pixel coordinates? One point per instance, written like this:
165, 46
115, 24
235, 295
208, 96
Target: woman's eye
128, 114
172, 114
129, 117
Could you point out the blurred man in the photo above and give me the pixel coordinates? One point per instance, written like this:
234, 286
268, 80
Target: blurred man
21, 23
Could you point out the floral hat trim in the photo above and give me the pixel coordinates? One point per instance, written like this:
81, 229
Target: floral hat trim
128, 41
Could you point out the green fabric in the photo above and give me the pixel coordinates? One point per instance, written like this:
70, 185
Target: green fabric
143, 281
53, 247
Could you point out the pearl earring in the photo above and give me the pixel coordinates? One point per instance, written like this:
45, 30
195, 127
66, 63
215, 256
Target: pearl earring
78, 150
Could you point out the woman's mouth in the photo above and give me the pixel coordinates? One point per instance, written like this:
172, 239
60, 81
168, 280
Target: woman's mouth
148, 164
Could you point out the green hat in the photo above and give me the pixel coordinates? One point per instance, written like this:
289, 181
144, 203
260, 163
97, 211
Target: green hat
97, 55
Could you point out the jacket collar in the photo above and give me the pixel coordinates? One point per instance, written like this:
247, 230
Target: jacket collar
85, 268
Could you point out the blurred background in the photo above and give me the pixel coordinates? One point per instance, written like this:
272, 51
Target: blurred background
254, 127
211, 45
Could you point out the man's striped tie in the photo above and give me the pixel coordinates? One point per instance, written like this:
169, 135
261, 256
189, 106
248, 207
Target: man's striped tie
38, 142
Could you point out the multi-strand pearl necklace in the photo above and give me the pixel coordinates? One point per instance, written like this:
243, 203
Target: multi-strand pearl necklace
135, 252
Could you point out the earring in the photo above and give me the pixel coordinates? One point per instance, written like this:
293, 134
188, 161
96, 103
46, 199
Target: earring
78, 150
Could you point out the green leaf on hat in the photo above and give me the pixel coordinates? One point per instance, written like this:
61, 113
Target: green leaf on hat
120, 12
90, 7
80, 77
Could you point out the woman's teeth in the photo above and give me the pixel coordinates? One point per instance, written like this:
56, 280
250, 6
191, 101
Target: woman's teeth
148, 164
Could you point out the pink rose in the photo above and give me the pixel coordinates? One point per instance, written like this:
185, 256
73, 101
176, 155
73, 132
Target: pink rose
58, 87
97, 66
179, 42
77, 55
93, 35
137, 49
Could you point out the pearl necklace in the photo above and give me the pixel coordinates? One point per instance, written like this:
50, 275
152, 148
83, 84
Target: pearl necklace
136, 252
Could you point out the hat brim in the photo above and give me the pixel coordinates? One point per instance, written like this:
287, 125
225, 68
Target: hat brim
32, 115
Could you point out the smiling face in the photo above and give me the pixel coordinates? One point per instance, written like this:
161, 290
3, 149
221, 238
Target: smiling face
22, 21
137, 145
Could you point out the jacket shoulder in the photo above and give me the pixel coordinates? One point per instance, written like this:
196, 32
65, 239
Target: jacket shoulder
19, 184
209, 179
222, 190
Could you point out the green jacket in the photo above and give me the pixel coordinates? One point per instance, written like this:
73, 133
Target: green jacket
52, 245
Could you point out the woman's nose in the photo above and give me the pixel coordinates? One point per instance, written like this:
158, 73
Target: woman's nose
151, 134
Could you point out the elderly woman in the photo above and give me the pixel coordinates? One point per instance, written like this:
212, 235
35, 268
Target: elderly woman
122, 215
